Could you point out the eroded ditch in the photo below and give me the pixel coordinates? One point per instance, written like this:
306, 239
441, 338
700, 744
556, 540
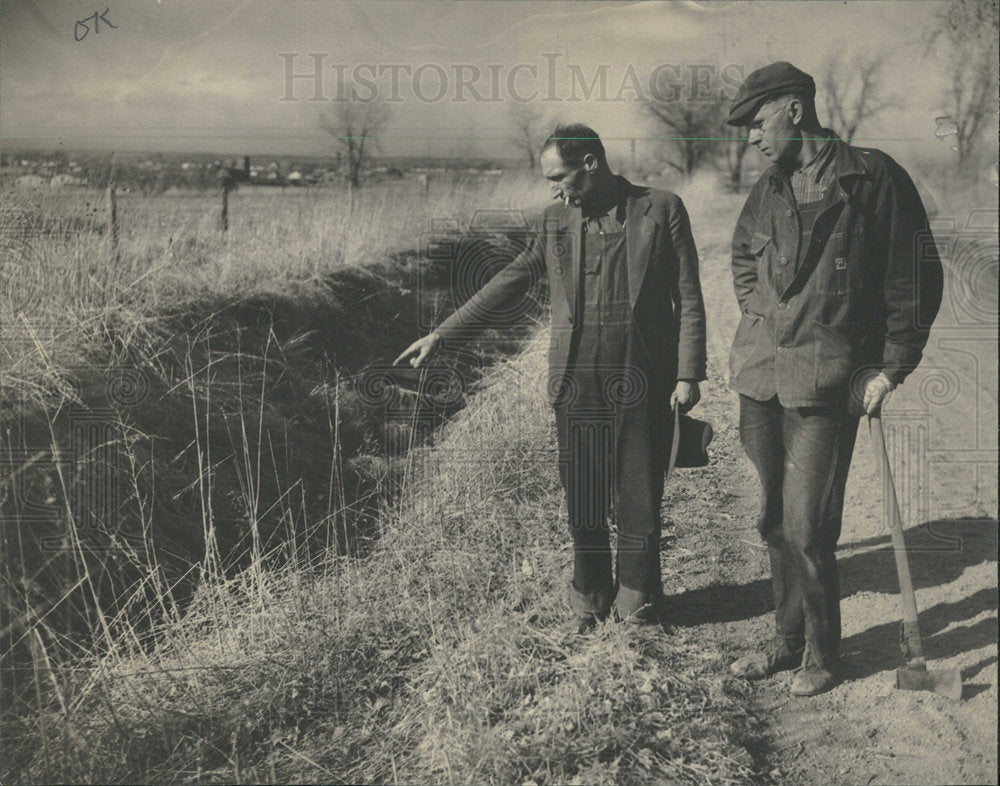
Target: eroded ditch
259, 431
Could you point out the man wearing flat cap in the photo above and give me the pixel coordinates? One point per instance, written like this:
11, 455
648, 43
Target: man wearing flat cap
838, 279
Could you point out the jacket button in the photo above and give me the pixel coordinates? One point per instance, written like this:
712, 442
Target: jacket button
780, 349
782, 306
788, 212
782, 260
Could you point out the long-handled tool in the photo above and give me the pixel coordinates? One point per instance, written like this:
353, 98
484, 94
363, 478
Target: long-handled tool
914, 675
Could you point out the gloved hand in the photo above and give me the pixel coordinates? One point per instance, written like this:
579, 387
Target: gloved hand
876, 390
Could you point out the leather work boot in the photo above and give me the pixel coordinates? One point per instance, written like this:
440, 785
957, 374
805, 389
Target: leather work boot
779, 656
813, 678
584, 621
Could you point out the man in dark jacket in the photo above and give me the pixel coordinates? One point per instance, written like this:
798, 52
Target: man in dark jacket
838, 279
628, 340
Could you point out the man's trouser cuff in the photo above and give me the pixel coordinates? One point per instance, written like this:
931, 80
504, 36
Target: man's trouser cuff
640, 604
597, 602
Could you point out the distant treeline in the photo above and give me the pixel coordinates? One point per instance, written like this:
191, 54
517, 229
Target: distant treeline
154, 173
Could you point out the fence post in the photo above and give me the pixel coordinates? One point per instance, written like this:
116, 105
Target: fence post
113, 223
225, 207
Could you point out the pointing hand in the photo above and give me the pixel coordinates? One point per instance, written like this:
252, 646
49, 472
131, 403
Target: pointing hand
420, 350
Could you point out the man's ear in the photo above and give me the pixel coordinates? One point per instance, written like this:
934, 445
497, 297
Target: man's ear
796, 112
591, 163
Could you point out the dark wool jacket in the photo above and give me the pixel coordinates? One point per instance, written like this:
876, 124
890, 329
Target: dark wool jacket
664, 289
865, 295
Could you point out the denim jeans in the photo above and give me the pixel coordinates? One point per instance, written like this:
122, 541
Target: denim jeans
802, 456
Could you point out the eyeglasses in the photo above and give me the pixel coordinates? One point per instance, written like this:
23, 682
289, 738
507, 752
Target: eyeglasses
758, 125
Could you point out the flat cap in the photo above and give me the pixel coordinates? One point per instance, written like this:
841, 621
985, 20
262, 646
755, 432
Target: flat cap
765, 83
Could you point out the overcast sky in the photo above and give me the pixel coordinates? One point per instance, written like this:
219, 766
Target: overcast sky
211, 76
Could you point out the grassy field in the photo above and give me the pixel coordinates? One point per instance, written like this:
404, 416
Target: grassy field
66, 290
439, 652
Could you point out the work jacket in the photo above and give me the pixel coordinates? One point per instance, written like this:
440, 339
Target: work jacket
863, 295
664, 288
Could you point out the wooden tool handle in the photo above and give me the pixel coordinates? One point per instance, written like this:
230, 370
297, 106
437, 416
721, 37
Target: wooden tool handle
911, 633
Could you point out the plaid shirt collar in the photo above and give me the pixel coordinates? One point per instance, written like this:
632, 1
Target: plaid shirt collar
811, 181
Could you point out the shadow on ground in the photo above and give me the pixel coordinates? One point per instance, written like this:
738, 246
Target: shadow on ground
938, 552
877, 649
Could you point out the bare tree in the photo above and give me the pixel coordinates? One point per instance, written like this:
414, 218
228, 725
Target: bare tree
526, 120
734, 149
355, 127
969, 29
854, 92
691, 130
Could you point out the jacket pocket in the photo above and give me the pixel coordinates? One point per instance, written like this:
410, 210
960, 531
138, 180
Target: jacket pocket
758, 243
834, 348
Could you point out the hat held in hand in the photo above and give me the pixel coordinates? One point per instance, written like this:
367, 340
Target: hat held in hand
692, 448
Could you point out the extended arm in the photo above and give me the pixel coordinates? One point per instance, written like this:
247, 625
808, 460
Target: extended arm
501, 300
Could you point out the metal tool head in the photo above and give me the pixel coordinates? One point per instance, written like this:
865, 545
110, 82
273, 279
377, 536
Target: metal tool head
947, 682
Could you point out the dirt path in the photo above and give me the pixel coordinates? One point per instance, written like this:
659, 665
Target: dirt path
716, 574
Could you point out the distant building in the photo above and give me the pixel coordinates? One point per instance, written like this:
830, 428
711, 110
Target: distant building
64, 181
31, 181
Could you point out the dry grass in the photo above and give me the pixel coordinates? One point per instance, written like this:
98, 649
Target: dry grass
442, 655
67, 298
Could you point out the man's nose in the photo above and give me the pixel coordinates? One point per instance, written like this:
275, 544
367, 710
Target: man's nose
755, 136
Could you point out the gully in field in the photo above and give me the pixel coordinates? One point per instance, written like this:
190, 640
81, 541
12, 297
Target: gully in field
838, 279
628, 342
